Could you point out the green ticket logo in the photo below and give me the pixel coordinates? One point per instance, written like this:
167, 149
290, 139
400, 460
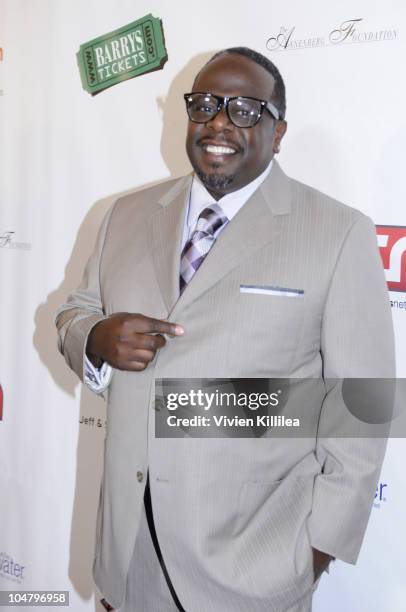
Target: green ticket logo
134, 49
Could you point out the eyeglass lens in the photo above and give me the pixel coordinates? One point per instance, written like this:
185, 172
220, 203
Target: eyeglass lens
243, 112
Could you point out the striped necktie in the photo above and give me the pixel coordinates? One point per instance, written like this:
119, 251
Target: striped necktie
200, 243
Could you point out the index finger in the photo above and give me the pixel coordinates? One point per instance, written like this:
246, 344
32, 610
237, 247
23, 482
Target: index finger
157, 326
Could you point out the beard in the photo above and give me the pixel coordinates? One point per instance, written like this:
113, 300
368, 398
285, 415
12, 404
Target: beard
215, 180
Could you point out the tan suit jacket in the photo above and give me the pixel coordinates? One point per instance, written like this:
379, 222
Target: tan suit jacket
236, 518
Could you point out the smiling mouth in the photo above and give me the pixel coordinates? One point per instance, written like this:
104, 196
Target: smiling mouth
217, 149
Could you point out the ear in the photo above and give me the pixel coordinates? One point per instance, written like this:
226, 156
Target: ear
280, 129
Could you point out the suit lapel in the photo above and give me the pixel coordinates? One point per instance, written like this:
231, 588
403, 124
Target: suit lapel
166, 232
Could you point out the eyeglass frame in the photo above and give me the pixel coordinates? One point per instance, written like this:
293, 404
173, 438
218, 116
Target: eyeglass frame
223, 101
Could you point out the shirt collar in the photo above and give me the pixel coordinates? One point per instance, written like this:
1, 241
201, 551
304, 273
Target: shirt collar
230, 203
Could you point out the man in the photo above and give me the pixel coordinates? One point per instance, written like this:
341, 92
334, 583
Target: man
248, 274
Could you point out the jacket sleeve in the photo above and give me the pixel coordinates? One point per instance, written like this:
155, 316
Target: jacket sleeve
83, 309
357, 342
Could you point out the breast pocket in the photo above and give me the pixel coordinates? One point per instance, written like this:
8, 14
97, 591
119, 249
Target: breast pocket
271, 321
274, 290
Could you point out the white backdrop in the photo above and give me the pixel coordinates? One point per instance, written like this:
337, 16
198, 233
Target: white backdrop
65, 155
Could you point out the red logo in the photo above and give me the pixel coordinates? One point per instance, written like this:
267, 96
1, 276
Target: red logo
1, 403
392, 245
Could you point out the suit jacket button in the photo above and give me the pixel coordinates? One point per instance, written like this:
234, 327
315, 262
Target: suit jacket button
140, 476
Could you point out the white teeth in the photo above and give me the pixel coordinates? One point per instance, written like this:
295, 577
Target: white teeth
219, 150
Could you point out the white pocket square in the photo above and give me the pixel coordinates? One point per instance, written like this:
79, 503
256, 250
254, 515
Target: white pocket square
271, 290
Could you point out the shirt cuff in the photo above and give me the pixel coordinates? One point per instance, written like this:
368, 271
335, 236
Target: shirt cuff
97, 379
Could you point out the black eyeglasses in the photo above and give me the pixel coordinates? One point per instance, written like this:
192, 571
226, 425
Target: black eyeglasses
242, 111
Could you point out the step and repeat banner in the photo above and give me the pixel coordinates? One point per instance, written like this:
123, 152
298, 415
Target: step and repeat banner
78, 127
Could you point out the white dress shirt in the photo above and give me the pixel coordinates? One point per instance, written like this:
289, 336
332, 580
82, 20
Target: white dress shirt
98, 379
